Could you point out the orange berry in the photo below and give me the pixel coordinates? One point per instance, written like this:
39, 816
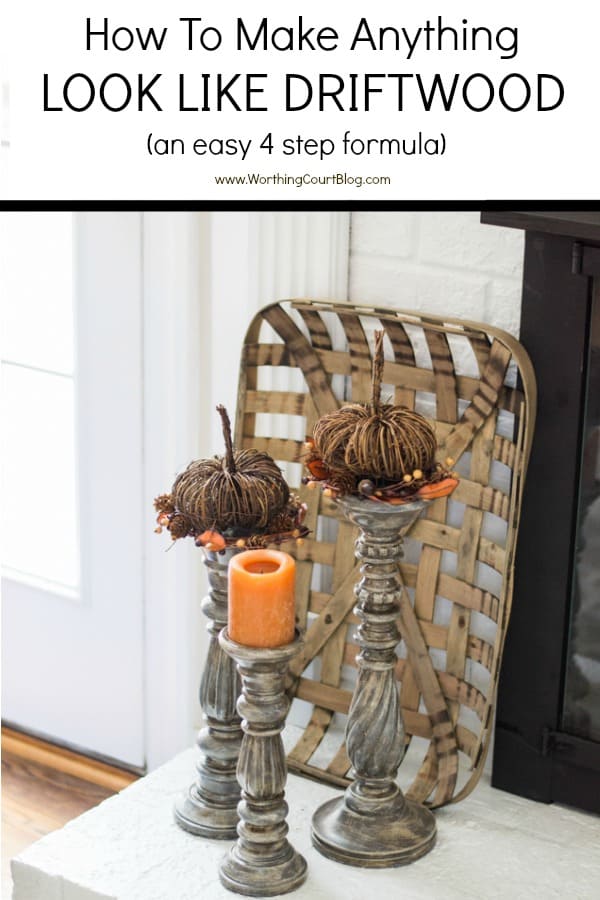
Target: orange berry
211, 540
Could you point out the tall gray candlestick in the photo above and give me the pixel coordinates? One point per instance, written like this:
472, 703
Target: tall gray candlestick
373, 824
209, 807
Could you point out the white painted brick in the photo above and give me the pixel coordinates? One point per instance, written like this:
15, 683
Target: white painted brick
438, 262
384, 233
503, 305
31, 881
458, 239
387, 282
493, 845
79, 892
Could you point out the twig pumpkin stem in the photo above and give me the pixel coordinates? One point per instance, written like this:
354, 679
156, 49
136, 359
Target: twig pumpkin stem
226, 426
377, 374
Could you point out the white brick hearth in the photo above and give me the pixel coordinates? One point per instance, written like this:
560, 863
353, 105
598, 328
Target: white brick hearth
492, 845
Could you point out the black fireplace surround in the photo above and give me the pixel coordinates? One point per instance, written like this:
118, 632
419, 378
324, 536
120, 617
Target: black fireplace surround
547, 743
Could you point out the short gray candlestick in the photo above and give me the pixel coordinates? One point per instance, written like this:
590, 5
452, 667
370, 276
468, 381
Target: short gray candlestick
262, 863
373, 824
209, 807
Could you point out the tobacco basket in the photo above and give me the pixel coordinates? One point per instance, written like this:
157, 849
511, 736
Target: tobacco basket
475, 383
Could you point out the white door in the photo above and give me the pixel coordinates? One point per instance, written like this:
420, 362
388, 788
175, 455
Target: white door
103, 638
73, 505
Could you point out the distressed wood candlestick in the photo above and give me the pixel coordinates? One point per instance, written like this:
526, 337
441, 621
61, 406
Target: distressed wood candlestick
262, 863
373, 824
209, 807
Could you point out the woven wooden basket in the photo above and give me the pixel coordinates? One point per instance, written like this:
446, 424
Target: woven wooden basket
476, 385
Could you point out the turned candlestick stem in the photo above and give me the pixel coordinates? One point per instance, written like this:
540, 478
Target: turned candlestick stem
373, 824
262, 863
209, 807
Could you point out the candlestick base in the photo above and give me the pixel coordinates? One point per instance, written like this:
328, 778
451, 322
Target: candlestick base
380, 835
209, 807
262, 863
197, 817
254, 877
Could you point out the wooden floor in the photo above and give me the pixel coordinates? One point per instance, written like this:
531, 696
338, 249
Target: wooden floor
43, 788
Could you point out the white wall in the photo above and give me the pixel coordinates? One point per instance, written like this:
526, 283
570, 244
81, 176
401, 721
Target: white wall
176, 260
256, 259
438, 262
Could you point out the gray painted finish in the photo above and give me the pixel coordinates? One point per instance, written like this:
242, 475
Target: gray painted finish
209, 807
262, 863
373, 824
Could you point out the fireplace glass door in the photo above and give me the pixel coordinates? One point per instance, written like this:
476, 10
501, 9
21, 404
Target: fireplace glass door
581, 704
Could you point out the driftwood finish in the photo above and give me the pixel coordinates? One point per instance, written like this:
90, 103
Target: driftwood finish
262, 862
209, 806
373, 825
475, 383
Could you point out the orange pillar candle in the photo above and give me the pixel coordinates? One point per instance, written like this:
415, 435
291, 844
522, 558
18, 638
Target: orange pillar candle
262, 609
